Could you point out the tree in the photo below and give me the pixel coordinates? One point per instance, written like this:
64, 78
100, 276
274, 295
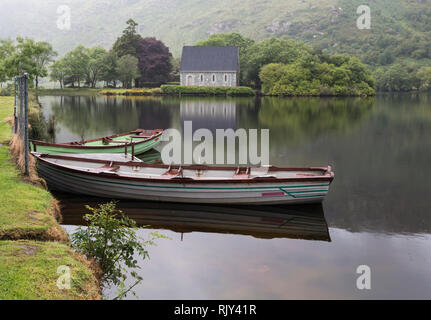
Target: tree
127, 70
271, 50
424, 75
230, 39
7, 49
153, 56
43, 54
59, 72
128, 42
28, 56
394, 78
76, 62
109, 72
317, 75
20, 60
154, 61
95, 65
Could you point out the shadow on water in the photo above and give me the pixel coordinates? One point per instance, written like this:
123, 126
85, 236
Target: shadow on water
265, 222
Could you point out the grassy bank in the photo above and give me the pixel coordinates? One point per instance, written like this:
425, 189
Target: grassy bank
163, 90
67, 92
132, 92
28, 212
28, 271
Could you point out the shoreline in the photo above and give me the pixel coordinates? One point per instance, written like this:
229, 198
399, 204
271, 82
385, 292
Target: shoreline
33, 245
158, 92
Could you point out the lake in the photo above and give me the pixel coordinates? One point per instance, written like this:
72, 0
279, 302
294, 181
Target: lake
377, 212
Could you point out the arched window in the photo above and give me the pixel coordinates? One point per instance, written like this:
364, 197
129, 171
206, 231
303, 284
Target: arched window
189, 80
225, 77
202, 77
214, 77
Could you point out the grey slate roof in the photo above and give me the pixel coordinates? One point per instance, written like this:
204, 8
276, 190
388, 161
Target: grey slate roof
209, 59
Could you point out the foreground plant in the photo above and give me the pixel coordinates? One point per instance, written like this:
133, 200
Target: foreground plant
110, 239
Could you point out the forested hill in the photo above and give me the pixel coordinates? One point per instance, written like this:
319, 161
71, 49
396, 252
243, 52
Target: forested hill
398, 26
399, 38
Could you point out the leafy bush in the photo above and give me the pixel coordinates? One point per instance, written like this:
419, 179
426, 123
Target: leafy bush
212, 91
7, 91
317, 75
132, 92
110, 239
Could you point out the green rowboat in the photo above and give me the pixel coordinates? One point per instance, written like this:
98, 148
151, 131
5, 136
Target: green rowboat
137, 142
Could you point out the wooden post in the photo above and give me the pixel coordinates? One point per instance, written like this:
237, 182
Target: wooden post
21, 107
26, 123
15, 118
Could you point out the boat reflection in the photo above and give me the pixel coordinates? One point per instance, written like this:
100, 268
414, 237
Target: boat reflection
266, 222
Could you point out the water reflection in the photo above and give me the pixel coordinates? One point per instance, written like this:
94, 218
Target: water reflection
209, 114
377, 209
264, 222
379, 147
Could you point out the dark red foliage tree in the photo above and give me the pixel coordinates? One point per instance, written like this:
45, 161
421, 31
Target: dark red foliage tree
154, 61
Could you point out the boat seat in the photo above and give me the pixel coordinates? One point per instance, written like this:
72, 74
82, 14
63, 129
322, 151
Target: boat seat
305, 175
242, 173
106, 140
77, 143
173, 173
265, 176
107, 168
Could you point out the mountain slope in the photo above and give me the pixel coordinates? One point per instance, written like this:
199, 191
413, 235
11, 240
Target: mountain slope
400, 29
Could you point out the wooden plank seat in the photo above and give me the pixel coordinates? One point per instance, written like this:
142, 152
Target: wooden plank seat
106, 140
108, 167
77, 143
173, 173
242, 173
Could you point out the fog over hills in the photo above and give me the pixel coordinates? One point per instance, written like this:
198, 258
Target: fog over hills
329, 24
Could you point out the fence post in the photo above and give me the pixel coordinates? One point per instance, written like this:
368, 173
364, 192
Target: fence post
26, 122
15, 118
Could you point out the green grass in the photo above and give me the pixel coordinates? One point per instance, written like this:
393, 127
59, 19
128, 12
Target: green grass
25, 210
67, 92
6, 110
132, 92
28, 271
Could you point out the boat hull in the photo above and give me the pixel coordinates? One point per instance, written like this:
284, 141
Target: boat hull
139, 148
107, 186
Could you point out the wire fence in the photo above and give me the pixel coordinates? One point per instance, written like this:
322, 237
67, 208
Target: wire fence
21, 114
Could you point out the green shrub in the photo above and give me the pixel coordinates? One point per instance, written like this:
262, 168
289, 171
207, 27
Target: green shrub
337, 75
7, 91
212, 91
111, 240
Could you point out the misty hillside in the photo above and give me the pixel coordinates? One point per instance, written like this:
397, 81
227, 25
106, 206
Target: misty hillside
400, 29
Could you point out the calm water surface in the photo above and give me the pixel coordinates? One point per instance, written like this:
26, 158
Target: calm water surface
377, 212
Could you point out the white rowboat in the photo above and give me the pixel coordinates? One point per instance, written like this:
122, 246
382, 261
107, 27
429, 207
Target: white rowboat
137, 180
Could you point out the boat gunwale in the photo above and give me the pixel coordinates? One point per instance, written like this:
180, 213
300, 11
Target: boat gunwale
327, 177
158, 133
